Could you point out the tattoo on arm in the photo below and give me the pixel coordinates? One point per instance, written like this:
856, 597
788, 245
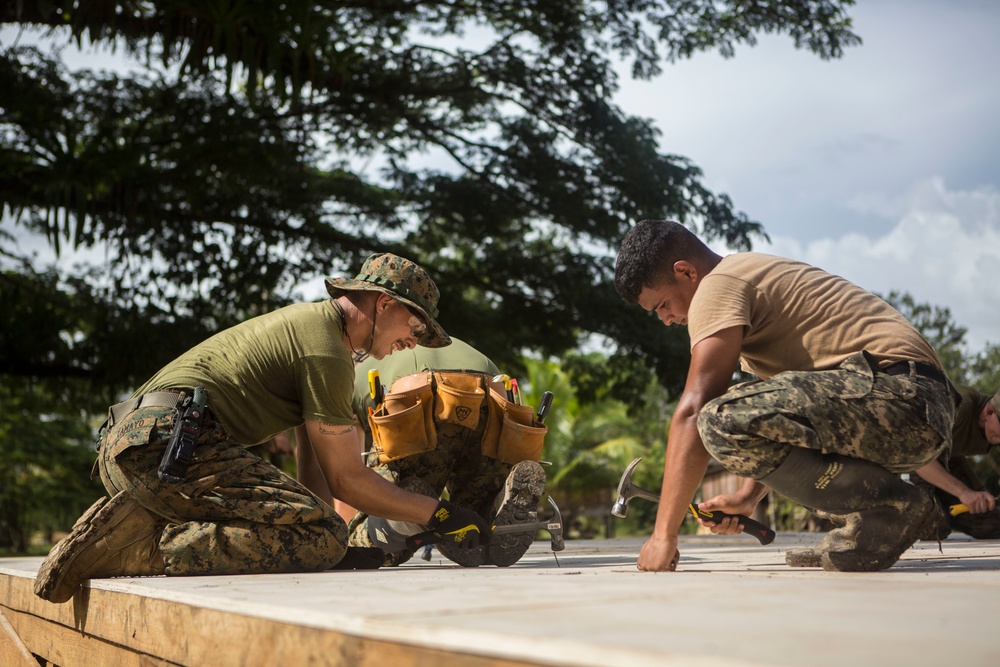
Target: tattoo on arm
327, 429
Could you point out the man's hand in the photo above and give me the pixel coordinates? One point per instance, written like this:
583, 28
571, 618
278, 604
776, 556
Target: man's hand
730, 503
457, 525
978, 501
659, 554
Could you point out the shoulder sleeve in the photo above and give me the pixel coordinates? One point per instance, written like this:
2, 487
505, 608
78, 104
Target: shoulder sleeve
326, 385
721, 301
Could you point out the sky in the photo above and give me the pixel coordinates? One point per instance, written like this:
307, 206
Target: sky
882, 166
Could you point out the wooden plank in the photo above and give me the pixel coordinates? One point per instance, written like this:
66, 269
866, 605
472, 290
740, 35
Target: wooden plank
12, 649
67, 647
111, 627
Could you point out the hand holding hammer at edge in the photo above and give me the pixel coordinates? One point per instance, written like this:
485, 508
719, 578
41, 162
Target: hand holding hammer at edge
743, 502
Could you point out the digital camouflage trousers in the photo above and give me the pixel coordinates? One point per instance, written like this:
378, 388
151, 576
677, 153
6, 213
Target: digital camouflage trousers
900, 422
455, 465
233, 513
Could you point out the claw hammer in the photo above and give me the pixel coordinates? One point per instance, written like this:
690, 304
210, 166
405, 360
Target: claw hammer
627, 490
553, 526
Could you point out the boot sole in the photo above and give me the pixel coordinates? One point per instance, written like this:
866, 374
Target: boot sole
804, 558
524, 489
51, 581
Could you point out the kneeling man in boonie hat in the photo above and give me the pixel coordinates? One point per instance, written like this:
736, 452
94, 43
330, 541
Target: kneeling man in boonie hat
186, 495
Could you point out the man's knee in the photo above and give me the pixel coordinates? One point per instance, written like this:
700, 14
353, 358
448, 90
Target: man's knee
713, 429
719, 439
733, 439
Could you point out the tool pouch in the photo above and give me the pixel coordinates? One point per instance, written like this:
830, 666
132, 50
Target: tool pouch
458, 398
512, 434
404, 424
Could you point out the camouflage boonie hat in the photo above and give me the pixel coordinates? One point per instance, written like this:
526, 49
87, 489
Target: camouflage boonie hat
404, 281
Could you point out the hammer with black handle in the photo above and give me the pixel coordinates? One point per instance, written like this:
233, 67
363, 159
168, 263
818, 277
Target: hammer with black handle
627, 490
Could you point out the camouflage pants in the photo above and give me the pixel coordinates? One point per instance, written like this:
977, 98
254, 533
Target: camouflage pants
456, 465
900, 422
233, 514
982, 526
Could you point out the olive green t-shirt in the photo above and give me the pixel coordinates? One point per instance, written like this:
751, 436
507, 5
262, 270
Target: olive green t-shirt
799, 317
270, 373
459, 356
967, 439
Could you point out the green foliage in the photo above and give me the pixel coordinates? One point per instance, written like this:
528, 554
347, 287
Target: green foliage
935, 323
625, 377
47, 454
983, 369
78, 346
257, 146
593, 438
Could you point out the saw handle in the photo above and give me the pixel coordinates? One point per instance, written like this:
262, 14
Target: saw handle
757, 530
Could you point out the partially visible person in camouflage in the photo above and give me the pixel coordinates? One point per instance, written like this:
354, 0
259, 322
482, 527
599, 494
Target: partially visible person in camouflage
849, 394
501, 492
953, 479
231, 512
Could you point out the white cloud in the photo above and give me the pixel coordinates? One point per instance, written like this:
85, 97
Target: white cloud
794, 139
944, 249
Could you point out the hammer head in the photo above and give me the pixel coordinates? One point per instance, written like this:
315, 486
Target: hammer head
620, 508
555, 527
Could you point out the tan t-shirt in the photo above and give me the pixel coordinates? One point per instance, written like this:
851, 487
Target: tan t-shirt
798, 317
270, 373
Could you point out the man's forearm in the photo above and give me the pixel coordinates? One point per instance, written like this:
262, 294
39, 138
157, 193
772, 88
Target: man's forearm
686, 462
373, 495
936, 474
338, 452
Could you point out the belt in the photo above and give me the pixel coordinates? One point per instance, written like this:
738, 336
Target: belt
903, 368
928, 371
155, 399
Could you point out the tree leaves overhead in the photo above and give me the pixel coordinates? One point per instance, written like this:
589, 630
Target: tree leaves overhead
261, 144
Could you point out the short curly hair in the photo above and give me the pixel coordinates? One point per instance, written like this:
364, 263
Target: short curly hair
648, 253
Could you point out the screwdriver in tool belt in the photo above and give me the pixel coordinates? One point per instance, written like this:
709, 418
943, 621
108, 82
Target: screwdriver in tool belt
759, 531
543, 407
375, 389
503, 377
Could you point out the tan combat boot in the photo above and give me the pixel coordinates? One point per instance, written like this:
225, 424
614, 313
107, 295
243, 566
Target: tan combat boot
116, 537
844, 534
883, 514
